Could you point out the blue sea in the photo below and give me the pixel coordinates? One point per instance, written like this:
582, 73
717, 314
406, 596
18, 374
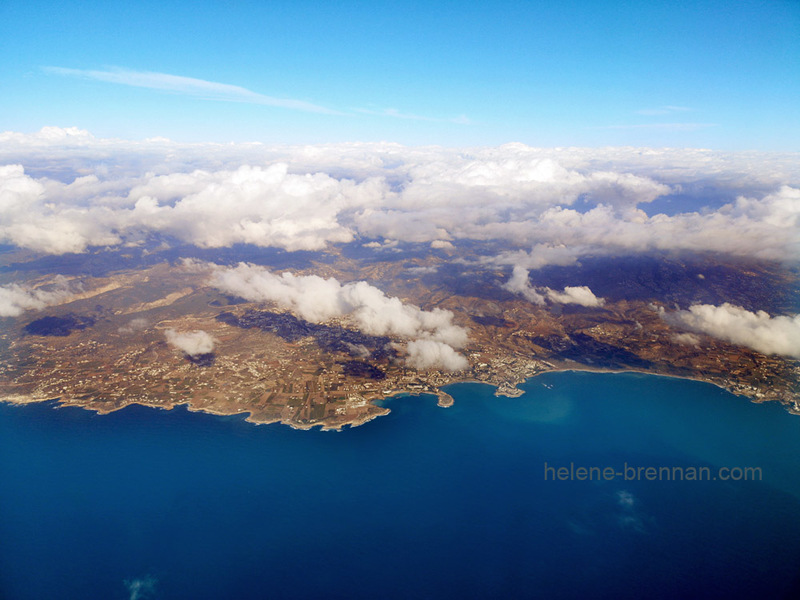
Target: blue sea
423, 503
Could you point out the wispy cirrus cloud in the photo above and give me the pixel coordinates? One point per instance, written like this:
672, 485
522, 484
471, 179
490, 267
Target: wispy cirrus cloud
189, 86
213, 90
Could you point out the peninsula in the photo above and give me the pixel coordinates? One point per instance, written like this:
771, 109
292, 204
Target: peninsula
125, 336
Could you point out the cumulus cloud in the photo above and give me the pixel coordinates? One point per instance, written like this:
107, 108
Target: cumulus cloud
76, 191
756, 330
16, 299
192, 343
48, 136
574, 295
494, 195
430, 354
29, 220
252, 205
765, 228
317, 299
519, 283
311, 297
385, 245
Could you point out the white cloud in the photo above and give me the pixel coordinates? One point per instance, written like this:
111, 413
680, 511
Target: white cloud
385, 245
254, 205
192, 343
310, 297
430, 354
17, 190
540, 256
764, 228
549, 206
29, 220
574, 295
49, 136
519, 283
756, 330
16, 299
316, 299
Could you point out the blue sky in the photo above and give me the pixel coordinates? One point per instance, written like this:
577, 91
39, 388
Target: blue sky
721, 75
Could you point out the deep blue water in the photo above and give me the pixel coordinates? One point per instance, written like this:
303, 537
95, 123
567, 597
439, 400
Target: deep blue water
423, 503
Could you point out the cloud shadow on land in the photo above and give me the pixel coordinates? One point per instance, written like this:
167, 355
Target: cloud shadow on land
585, 349
290, 328
58, 326
100, 262
678, 278
202, 360
358, 368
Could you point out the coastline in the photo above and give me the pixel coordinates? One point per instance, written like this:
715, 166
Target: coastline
21, 400
794, 408
444, 400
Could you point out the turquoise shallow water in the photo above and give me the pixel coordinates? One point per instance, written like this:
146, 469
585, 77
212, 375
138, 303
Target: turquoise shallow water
423, 503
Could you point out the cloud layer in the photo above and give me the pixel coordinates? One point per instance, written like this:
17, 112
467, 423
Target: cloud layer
756, 330
433, 334
62, 190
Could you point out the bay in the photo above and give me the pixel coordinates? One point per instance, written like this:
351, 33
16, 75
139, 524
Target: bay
423, 503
